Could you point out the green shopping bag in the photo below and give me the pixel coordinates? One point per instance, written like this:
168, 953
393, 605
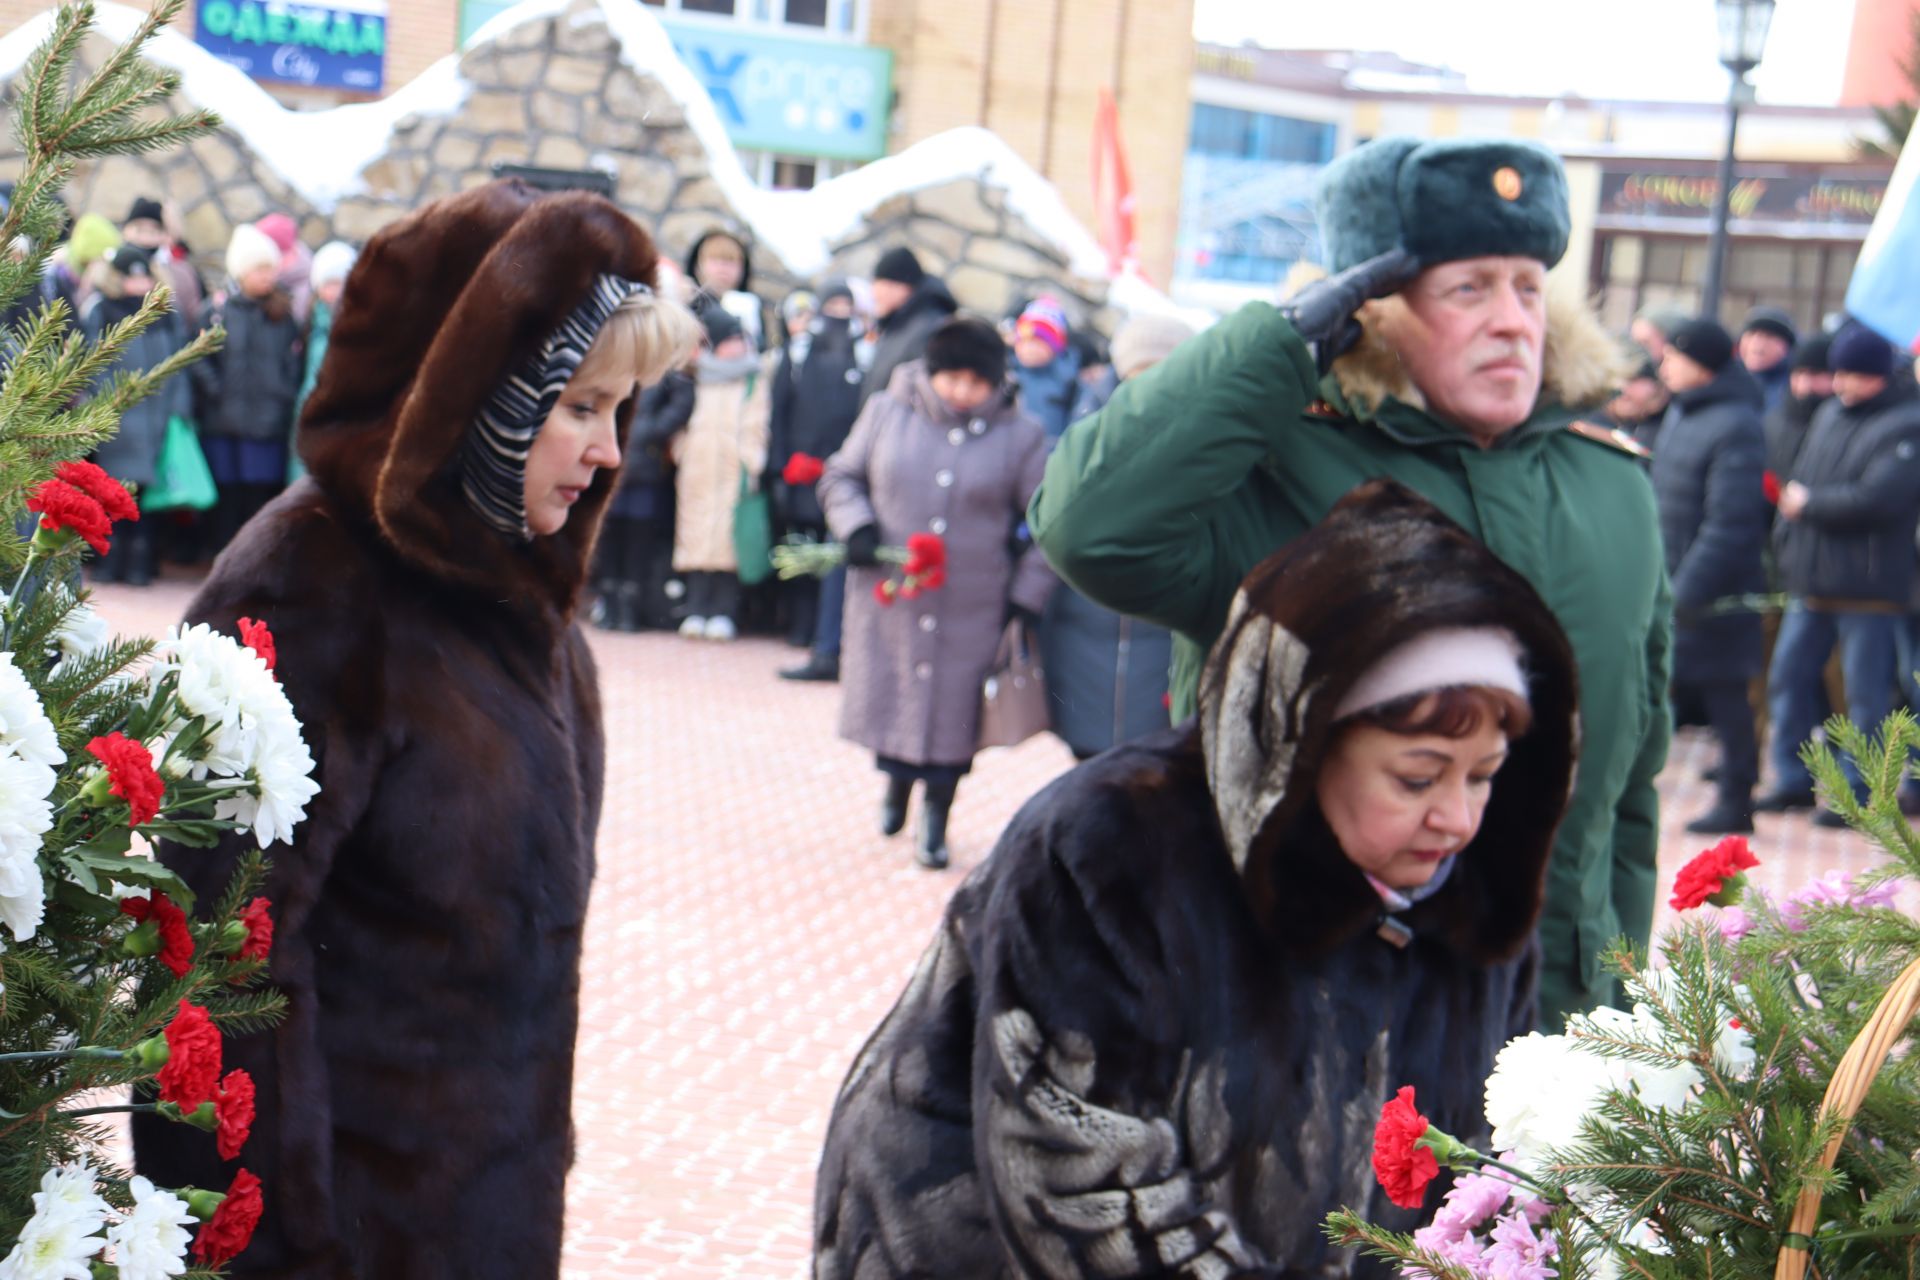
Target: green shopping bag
181, 479
752, 534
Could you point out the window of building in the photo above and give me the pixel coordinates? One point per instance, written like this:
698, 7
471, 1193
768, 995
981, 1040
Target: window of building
1807, 279
1254, 135
844, 17
791, 173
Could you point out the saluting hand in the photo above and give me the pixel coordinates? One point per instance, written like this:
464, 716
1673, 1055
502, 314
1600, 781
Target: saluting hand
1322, 313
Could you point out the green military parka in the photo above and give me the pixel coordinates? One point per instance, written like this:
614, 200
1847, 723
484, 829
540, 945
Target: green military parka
1197, 470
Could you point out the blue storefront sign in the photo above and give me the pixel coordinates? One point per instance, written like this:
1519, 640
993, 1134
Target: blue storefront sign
326, 46
793, 95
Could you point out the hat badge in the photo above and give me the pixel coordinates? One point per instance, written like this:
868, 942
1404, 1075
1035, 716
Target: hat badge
1506, 182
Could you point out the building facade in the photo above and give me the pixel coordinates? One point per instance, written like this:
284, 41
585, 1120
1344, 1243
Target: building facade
1643, 179
808, 88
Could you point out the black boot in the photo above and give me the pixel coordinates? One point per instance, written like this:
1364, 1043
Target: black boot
893, 805
1784, 801
817, 668
936, 804
1731, 815
140, 555
626, 607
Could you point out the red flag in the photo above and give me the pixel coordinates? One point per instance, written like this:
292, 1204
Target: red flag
1113, 189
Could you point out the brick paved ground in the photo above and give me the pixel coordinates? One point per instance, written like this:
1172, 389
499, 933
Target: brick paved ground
750, 926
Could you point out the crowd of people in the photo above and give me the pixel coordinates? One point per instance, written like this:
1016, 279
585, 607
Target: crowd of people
1787, 470
1365, 623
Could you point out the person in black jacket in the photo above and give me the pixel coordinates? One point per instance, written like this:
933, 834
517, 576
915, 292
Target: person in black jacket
1846, 552
245, 390
817, 391
1767, 339
635, 557
1809, 385
908, 305
1713, 519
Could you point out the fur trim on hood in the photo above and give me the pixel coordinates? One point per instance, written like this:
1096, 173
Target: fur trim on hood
1311, 620
440, 306
1582, 369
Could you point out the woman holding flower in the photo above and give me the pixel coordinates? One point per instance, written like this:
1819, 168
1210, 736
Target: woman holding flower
462, 444
943, 449
1156, 1030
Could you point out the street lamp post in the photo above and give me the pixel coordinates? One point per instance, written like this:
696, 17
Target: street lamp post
1743, 37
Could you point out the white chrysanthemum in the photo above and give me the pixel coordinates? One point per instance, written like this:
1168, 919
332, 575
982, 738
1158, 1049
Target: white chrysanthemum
1733, 1053
1540, 1090
82, 631
25, 818
150, 1243
25, 730
57, 1244
70, 1188
1664, 1086
252, 731
283, 771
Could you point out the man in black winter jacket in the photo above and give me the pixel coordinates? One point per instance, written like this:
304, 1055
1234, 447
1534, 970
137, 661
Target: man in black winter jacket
1846, 553
909, 305
1767, 340
1809, 385
1713, 520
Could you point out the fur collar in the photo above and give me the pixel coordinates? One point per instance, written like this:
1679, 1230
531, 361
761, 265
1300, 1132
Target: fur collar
1582, 368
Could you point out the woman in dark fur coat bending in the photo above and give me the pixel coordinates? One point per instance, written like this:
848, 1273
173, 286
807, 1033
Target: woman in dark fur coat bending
462, 444
1154, 1033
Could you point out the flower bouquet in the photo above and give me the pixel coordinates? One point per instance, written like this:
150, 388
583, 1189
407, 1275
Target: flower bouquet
1751, 1115
922, 563
116, 984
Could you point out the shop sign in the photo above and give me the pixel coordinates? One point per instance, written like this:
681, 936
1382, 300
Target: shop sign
803, 96
341, 45
1799, 199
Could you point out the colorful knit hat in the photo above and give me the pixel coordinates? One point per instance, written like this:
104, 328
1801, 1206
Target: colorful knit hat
1044, 319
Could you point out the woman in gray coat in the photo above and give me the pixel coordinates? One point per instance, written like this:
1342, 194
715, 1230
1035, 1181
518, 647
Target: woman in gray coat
944, 449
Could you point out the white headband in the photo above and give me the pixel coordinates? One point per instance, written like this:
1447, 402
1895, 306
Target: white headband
1449, 658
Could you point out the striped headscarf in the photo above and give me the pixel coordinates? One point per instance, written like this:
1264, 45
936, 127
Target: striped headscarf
493, 461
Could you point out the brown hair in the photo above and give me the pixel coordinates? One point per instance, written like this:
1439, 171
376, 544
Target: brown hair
1452, 713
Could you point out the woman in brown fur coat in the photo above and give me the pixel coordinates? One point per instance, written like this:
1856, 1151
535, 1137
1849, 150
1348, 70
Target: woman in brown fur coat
462, 444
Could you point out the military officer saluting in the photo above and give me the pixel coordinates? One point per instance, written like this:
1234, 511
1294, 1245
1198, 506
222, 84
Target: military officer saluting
1433, 356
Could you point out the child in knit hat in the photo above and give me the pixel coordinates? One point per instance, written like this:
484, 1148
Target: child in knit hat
1046, 365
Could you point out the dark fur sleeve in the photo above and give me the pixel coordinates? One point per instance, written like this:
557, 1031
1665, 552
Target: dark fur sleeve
328, 662
1081, 1075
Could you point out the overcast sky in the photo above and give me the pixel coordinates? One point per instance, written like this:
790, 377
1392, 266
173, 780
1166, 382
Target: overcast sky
1616, 48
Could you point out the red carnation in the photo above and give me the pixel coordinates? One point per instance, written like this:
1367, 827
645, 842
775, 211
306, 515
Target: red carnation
1711, 875
1403, 1166
883, 591
131, 776
256, 637
926, 553
259, 930
61, 506
1770, 485
101, 487
934, 578
234, 1106
176, 940
227, 1234
803, 471
193, 1059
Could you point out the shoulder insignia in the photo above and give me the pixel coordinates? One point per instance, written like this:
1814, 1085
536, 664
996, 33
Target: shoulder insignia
1612, 437
1321, 409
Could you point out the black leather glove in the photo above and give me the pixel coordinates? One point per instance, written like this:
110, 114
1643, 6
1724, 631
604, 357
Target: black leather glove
1322, 313
863, 547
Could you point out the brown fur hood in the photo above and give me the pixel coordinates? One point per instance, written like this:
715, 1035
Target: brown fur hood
1582, 366
1383, 566
439, 307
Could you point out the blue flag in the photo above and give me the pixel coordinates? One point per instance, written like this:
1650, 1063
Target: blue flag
1885, 290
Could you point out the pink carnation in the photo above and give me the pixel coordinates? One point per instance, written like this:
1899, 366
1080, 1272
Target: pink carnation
1516, 1253
1834, 889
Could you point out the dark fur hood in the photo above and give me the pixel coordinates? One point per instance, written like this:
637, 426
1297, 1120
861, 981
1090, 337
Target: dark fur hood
440, 305
1383, 566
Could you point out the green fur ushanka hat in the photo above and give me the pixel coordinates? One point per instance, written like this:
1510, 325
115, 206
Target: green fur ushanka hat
1442, 201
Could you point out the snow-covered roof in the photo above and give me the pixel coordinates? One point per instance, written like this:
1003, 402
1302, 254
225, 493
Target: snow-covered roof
321, 154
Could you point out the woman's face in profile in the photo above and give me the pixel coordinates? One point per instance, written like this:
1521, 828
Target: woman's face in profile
578, 439
1401, 805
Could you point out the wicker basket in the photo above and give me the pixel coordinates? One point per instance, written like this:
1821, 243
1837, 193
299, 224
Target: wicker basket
1845, 1093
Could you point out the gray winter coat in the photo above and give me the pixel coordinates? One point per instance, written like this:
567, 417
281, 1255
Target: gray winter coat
911, 672
1713, 520
134, 454
1854, 541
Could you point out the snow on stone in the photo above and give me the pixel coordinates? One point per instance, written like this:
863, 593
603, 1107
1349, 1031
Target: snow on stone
319, 154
